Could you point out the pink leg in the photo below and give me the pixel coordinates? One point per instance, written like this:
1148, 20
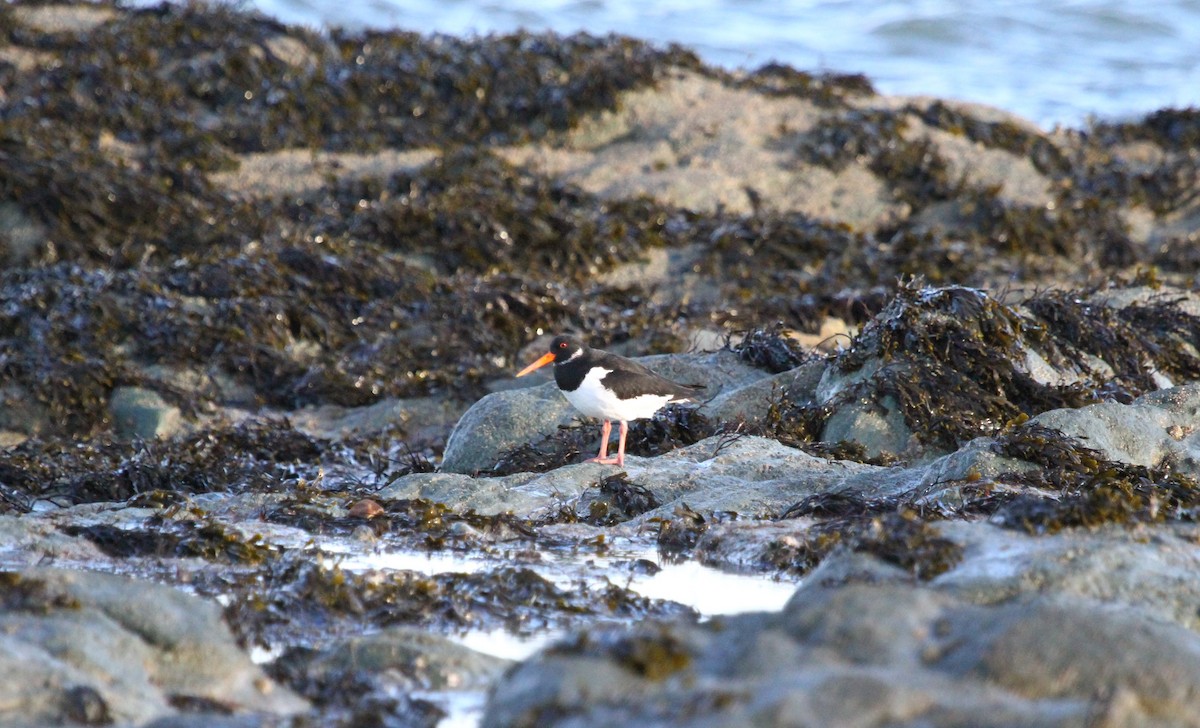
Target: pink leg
605, 433
621, 443
620, 458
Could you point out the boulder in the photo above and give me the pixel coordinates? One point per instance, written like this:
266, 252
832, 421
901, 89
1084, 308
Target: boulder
83, 646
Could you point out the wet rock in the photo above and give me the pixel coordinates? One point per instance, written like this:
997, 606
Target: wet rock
874, 655
81, 643
21, 413
415, 660
745, 474
1109, 565
30, 540
143, 413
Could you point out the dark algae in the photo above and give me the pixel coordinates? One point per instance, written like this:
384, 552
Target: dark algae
1077, 486
318, 332
953, 362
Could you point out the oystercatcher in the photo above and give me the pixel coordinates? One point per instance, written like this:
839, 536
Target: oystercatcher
607, 386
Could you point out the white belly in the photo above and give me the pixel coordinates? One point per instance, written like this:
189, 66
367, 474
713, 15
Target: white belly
594, 400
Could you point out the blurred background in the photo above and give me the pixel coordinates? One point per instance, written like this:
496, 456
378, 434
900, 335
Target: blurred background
1055, 62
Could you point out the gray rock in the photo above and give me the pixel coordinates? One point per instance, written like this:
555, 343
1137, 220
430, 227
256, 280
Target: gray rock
21, 236
75, 640
30, 539
138, 412
1152, 571
888, 654
22, 413
880, 429
504, 420
422, 418
426, 661
1160, 426
750, 402
750, 475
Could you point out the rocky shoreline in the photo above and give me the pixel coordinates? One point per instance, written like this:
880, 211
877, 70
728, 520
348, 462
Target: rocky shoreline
264, 291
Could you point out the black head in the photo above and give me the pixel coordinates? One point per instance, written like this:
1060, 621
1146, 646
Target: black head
562, 349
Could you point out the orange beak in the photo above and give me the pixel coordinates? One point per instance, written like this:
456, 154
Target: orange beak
546, 359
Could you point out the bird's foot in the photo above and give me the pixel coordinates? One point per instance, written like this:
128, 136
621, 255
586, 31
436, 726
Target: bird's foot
607, 461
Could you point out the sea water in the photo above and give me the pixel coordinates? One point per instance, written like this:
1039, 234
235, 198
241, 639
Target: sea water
1055, 62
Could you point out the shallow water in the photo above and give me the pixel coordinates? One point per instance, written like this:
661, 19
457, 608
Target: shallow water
711, 592
1052, 61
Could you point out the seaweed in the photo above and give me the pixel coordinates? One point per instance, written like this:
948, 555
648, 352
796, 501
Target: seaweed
952, 359
417, 522
1020, 141
29, 594
1169, 128
293, 591
897, 535
856, 135
1077, 486
165, 538
824, 89
263, 85
948, 358
566, 445
218, 459
620, 500
671, 428
84, 705
680, 533
917, 172
773, 350
652, 656
471, 211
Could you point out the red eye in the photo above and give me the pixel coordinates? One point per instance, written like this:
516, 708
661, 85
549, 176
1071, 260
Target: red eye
563, 345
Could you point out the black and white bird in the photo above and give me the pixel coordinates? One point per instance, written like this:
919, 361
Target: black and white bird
609, 387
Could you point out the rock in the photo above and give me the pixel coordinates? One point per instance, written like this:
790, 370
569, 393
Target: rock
501, 421
426, 661
29, 540
869, 655
21, 237
504, 420
142, 413
880, 428
750, 402
1113, 565
1155, 428
749, 475
425, 418
699, 143
62, 18
78, 643
22, 413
